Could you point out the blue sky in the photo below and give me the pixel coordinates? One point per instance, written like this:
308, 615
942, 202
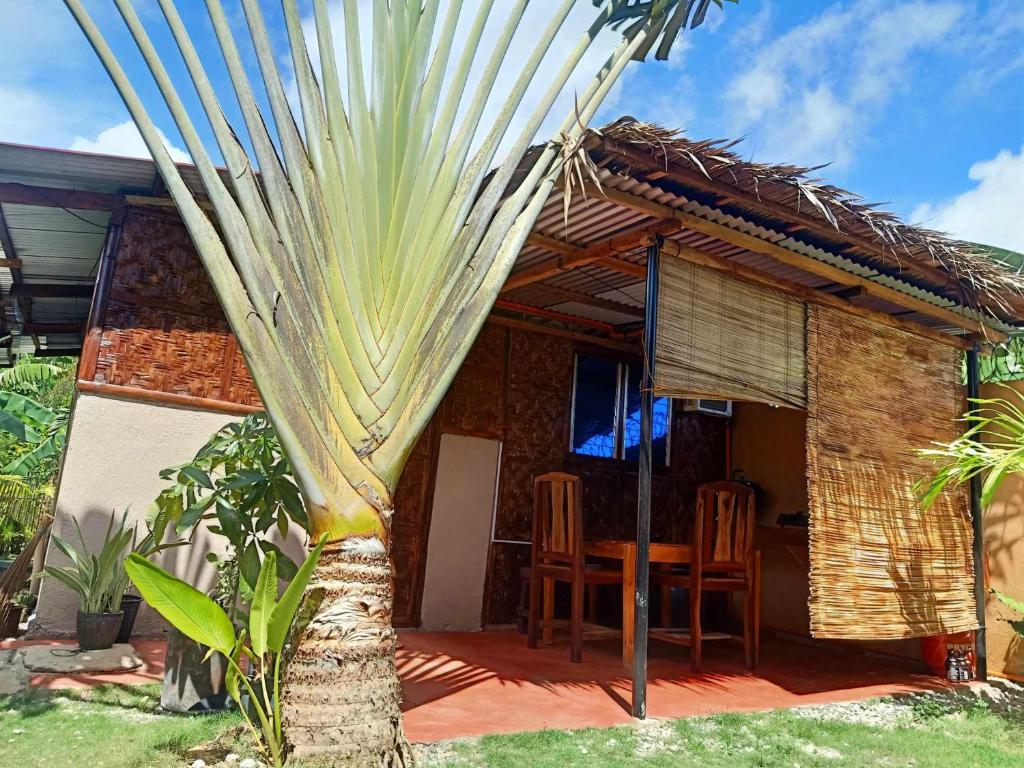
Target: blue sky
917, 103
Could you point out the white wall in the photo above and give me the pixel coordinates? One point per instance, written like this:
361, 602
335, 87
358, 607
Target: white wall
116, 449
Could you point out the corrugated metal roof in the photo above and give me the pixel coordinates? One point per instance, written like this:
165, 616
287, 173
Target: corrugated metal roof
63, 246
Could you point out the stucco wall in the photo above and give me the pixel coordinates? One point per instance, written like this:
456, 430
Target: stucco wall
1004, 541
115, 451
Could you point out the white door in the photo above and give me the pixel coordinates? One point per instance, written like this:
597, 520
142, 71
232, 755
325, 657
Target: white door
460, 532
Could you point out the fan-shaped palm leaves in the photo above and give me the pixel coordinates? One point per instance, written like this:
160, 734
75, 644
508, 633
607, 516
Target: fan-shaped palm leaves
358, 266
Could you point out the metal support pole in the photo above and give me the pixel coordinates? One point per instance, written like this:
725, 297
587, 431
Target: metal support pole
643, 514
978, 524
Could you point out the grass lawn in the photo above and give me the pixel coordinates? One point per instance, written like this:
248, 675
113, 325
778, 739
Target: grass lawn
115, 727
105, 727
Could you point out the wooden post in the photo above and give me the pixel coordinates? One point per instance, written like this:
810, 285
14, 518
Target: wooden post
978, 524
643, 514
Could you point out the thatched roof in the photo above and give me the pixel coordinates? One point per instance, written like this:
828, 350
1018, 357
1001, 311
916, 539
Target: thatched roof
795, 200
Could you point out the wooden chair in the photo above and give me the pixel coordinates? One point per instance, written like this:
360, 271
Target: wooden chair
723, 560
558, 555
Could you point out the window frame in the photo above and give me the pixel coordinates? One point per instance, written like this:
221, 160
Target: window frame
622, 369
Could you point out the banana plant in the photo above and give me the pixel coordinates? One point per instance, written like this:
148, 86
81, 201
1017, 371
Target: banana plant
357, 244
262, 646
40, 428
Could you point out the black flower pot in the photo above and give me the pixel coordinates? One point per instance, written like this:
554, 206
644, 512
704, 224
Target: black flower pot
97, 631
193, 683
130, 608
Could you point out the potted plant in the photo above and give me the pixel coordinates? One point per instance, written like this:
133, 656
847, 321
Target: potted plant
99, 580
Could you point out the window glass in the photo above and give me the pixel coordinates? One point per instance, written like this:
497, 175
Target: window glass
631, 427
594, 407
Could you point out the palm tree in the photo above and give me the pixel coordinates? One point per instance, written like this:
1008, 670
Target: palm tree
358, 266
991, 448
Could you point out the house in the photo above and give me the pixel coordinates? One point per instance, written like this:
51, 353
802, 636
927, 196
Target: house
835, 332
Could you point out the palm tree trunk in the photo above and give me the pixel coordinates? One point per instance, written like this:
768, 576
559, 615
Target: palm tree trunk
341, 698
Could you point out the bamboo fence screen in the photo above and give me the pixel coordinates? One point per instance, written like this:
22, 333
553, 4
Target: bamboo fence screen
880, 567
723, 337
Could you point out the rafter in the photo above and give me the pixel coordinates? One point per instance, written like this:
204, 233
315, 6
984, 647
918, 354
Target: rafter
577, 256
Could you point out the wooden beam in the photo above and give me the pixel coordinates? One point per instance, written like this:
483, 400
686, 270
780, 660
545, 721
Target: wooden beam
694, 178
55, 197
622, 266
599, 341
806, 263
168, 398
562, 317
808, 294
577, 256
560, 295
850, 293
58, 352
52, 290
43, 329
10, 263
163, 202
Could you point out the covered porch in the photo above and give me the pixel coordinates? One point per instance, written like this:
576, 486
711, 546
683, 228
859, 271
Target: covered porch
561, 380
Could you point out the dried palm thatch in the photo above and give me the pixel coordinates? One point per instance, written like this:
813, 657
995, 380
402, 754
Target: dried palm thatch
881, 566
978, 280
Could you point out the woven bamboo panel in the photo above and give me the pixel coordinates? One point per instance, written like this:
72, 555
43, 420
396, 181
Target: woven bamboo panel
880, 567
164, 330
155, 349
722, 337
157, 261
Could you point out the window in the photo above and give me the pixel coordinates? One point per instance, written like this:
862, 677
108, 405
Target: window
606, 411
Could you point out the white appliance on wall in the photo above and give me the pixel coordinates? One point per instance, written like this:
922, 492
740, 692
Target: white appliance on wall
713, 407
465, 492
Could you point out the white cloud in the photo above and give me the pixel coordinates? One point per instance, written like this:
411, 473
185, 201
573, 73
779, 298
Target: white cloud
990, 212
811, 94
125, 140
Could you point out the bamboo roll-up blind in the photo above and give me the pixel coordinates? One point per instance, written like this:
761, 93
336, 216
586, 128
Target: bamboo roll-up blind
881, 568
722, 337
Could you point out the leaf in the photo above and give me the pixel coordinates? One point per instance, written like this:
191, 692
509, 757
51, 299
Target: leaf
1008, 601
233, 675
190, 611
249, 564
286, 567
21, 431
264, 598
284, 611
196, 475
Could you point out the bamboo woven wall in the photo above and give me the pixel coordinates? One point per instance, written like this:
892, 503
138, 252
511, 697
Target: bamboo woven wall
880, 567
722, 337
163, 329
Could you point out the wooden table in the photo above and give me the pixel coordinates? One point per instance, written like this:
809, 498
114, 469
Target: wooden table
625, 551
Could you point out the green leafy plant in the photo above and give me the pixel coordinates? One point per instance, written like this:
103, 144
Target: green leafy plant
992, 447
1016, 606
100, 579
241, 482
35, 399
261, 645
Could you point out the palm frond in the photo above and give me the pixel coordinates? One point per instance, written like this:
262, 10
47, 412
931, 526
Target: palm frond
357, 267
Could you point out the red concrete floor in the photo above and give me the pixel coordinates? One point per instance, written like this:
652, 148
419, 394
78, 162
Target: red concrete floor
469, 684
461, 684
